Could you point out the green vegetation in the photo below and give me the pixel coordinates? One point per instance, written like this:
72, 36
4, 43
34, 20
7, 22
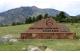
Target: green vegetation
61, 17
60, 45
14, 30
55, 44
74, 27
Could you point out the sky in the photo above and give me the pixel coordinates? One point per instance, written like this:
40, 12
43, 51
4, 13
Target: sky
72, 7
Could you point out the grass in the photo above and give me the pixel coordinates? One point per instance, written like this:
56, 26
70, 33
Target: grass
74, 27
55, 44
14, 30
60, 45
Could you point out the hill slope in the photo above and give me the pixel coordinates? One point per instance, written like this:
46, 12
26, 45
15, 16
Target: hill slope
19, 14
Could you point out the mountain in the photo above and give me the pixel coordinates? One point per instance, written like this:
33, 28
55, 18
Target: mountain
19, 14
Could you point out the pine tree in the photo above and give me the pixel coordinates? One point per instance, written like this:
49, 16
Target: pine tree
45, 16
39, 17
13, 24
33, 19
61, 16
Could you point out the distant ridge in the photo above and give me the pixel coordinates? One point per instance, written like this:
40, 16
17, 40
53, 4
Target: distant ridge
19, 14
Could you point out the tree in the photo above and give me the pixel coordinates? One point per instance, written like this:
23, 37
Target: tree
33, 19
13, 24
61, 16
39, 17
19, 23
1, 25
28, 20
45, 16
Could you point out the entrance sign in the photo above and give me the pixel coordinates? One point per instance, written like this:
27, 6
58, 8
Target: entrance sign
48, 29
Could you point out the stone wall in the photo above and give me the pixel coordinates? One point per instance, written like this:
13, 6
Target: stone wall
47, 36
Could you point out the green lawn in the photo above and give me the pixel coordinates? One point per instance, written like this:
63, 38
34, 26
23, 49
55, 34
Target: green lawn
55, 44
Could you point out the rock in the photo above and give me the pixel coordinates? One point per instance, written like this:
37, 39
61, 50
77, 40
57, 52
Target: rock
13, 40
36, 48
7, 38
30, 46
24, 49
42, 47
3, 40
33, 48
48, 49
